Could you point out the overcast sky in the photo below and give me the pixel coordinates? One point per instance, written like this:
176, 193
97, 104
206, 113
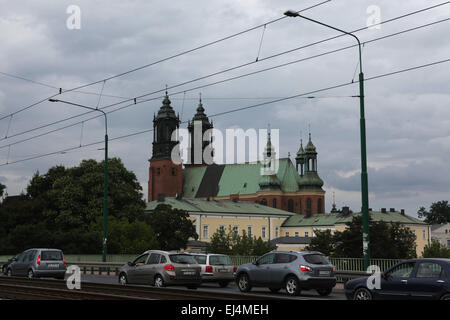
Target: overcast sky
407, 115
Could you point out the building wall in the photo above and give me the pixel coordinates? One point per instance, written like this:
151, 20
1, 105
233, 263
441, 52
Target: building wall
442, 234
166, 178
242, 221
299, 200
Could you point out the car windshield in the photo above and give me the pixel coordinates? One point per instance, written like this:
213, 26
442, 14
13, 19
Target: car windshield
51, 255
200, 259
316, 259
220, 261
182, 258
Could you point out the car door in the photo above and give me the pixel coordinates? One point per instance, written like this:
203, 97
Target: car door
395, 282
279, 269
148, 271
428, 281
15, 265
135, 268
261, 272
21, 264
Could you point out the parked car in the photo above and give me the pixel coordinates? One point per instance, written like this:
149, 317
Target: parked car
38, 263
216, 268
162, 268
410, 279
292, 270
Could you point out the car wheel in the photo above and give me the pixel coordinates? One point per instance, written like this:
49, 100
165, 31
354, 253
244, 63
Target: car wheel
223, 284
362, 294
123, 279
9, 273
274, 290
159, 282
30, 274
244, 283
446, 297
292, 286
324, 292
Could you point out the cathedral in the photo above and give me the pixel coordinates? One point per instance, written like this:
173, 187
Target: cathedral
293, 188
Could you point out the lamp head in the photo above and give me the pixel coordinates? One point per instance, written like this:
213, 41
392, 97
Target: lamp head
53, 100
291, 13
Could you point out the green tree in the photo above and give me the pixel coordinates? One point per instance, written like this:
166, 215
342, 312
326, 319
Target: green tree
439, 213
261, 247
387, 240
436, 250
2, 189
322, 242
172, 227
232, 243
61, 205
125, 237
220, 242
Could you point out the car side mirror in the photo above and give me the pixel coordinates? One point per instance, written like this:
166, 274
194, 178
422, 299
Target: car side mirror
256, 263
130, 264
14, 259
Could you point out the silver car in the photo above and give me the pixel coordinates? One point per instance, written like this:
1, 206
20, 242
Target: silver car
38, 263
216, 268
291, 270
162, 268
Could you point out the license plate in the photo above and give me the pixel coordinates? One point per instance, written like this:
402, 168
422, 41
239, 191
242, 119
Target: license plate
53, 265
324, 273
223, 270
188, 273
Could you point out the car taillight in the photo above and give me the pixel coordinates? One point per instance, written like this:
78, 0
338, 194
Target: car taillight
334, 269
64, 259
234, 268
305, 268
169, 267
38, 260
209, 269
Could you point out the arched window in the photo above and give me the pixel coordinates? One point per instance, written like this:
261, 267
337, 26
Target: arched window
308, 207
291, 205
274, 203
319, 206
264, 202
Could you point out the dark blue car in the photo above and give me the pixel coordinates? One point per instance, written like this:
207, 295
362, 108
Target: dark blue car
410, 279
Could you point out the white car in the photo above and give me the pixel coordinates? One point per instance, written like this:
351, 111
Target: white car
215, 268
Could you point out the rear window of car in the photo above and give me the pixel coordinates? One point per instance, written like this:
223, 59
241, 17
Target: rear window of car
182, 258
51, 255
200, 259
316, 259
220, 261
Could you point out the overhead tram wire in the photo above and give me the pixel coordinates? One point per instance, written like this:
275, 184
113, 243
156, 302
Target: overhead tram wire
242, 108
206, 85
233, 68
162, 60
285, 52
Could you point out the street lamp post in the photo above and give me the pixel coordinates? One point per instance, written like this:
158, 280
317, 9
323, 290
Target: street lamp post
364, 183
105, 189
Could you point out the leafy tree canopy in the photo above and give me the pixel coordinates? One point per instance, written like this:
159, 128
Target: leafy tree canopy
439, 213
172, 227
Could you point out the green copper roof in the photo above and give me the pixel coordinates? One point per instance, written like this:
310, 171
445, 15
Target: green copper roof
166, 110
218, 206
310, 180
240, 179
192, 177
332, 219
